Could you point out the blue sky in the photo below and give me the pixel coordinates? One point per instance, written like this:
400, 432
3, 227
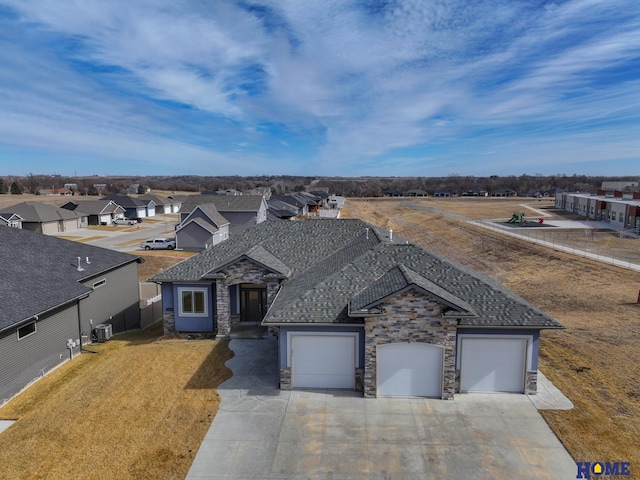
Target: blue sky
327, 87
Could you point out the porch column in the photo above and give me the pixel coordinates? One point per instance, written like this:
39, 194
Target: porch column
222, 306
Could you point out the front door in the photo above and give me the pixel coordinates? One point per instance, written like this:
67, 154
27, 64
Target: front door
253, 303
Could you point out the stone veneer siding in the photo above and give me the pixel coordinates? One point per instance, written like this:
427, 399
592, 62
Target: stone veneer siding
285, 378
169, 322
243, 271
410, 317
531, 383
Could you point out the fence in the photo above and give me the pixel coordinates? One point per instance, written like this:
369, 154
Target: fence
585, 242
150, 304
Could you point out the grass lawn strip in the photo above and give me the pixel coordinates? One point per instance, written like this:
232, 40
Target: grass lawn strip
139, 408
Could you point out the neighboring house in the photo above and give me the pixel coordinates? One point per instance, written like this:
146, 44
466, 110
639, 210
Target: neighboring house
201, 229
133, 207
44, 218
475, 192
162, 204
135, 188
54, 293
98, 212
446, 192
335, 202
392, 193
242, 211
504, 192
279, 210
415, 193
321, 197
356, 309
12, 220
552, 192
300, 207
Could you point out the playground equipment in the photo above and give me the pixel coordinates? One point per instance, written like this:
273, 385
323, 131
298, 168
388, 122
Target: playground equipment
519, 218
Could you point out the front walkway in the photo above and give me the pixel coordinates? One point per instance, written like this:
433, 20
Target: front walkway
262, 432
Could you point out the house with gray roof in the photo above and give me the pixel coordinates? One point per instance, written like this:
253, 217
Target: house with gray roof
98, 212
162, 204
242, 211
133, 207
356, 308
203, 228
45, 218
55, 293
12, 220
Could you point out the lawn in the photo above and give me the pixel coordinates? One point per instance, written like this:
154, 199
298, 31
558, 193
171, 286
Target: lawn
595, 361
137, 408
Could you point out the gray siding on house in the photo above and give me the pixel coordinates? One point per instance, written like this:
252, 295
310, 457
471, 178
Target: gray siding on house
31, 357
116, 302
195, 237
240, 221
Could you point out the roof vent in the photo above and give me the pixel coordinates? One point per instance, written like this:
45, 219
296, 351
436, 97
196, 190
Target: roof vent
391, 235
88, 262
80, 269
367, 232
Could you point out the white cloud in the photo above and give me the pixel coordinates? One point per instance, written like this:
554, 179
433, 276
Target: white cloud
356, 85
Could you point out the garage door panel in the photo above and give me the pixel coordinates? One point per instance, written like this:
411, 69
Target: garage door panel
492, 365
323, 361
409, 369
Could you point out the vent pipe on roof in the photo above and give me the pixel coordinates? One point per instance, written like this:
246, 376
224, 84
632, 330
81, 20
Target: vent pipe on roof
391, 235
80, 269
367, 232
88, 262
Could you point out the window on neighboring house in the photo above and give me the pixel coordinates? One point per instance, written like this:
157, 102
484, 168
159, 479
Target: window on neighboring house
26, 330
193, 301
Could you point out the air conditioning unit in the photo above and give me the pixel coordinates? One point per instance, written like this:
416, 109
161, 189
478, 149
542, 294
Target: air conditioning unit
103, 332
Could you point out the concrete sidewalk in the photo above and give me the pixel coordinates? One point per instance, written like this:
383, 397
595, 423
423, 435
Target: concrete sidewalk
263, 433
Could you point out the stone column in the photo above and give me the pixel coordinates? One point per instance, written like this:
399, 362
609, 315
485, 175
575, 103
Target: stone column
222, 306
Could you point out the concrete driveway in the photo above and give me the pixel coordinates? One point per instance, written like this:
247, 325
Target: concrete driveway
261, 432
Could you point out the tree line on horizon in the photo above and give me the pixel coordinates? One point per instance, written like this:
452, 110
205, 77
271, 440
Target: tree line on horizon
286, 184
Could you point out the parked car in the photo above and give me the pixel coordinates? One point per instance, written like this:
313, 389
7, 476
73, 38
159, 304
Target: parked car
159, 244
124, 221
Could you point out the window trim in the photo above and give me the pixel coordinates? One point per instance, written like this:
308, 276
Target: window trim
204, 291
22, 337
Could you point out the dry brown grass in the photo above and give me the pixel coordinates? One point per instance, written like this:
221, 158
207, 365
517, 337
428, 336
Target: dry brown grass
595, 361
157, 260
137, 409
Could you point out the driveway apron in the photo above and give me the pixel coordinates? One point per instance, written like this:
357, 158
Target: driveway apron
261, 432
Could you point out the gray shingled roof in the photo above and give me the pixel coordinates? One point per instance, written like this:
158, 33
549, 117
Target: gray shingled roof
334, 261
397, 280
126, 201
157, 199
212, 212
38, 212
39, 272
259, 256
94, 207
224, 203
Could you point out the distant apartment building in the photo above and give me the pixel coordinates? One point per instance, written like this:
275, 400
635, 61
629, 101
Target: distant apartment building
620, 209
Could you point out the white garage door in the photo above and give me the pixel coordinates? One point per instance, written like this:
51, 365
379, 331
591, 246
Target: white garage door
492, 364
409, 370
323, 361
